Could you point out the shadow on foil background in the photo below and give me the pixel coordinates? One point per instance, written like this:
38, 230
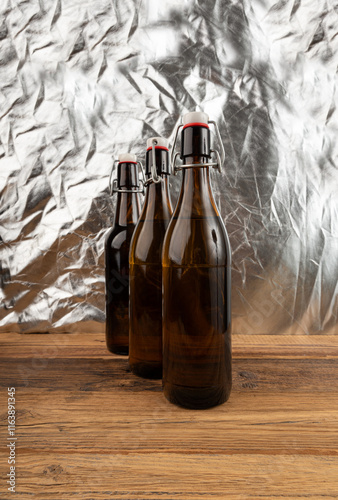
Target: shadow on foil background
82, 81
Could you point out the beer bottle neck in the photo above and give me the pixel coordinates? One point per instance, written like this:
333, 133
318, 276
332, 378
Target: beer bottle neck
128, 205
196, 199
157, 203
127, 175
161, 161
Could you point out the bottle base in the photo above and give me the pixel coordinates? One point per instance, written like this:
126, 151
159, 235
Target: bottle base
147, 370
119, 349
196, 398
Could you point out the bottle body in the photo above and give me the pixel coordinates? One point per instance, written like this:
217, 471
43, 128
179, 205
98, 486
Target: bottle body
145, 334
196, 297
128, 207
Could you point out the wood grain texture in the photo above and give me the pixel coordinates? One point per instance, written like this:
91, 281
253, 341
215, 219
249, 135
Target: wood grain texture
89, 429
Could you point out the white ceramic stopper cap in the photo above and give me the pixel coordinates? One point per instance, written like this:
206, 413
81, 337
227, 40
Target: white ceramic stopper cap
126, 157
161, 141
195, 117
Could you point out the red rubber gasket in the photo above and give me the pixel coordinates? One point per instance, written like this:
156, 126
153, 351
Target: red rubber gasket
205, 125
158, 147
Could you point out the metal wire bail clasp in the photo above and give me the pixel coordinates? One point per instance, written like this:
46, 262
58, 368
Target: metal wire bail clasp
174, 154
113, 187
154, 177
220, 158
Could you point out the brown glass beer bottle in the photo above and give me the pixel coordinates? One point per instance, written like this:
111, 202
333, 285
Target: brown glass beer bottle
196, 281
128, 207
145, 306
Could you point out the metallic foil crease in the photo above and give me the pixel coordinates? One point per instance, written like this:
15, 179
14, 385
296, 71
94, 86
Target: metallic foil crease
82, 81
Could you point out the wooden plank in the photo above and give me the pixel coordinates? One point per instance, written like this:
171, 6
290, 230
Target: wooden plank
122, 422
74, 345
263, 375
179, 476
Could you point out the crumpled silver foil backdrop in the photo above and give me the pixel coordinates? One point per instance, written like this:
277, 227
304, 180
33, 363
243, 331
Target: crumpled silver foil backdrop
84, 80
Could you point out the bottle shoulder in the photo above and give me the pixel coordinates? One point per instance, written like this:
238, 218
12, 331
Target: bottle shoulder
119, 236
146, 246
201, 241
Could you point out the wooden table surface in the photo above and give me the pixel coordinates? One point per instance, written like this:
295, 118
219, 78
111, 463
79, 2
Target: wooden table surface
89, 429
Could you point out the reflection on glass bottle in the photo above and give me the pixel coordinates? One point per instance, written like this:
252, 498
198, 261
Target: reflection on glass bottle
196, 283
128, 207
145, 334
